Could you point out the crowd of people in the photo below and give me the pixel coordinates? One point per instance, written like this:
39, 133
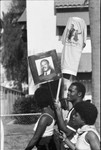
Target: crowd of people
76, 132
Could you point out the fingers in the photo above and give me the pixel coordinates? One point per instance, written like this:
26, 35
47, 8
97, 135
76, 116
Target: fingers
57, 104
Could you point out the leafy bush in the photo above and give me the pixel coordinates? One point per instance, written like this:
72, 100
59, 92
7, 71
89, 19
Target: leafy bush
25, 105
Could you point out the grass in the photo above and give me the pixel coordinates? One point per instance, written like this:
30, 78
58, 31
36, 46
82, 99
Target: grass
16, 136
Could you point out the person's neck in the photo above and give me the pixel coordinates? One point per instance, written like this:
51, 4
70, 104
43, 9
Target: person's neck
76, 101
82, 125
46, 109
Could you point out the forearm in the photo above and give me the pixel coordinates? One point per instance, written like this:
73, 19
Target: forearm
69, 131
28, 148
61, 122
69, 144
31, 144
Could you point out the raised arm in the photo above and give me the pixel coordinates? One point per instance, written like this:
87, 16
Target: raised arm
61, 123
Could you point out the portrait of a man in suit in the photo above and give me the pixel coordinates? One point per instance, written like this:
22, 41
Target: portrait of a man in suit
46, 68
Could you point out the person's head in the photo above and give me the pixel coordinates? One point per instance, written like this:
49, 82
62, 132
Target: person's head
43, 97
85, 113
44, 65
76, 92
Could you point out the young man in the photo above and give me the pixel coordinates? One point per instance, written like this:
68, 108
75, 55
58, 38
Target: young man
76, 93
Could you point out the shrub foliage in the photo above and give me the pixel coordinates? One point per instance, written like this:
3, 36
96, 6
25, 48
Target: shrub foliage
25, 105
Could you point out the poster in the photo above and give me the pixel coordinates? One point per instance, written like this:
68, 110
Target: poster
44, 67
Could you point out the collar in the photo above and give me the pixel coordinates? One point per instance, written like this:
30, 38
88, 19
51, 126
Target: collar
85, 128
48, 72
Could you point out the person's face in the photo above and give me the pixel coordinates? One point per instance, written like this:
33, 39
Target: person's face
44, 66
72, 94
77, 120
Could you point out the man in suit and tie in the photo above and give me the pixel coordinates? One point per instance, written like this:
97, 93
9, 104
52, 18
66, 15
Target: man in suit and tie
46, 68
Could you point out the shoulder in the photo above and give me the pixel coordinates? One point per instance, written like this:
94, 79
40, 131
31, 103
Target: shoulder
52, 70
46, 118
91, 136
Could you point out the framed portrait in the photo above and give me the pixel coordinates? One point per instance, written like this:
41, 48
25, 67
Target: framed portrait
45, 67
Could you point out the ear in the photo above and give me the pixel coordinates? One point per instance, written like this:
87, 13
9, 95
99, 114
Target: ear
83, 121
80, 94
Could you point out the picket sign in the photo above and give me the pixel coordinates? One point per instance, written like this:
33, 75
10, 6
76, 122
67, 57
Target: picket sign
58, 90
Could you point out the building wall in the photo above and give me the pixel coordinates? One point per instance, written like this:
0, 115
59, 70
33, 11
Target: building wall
44, 29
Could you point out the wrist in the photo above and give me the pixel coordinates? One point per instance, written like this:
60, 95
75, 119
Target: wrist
69, 143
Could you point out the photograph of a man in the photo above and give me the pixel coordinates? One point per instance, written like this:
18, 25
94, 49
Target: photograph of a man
46, 68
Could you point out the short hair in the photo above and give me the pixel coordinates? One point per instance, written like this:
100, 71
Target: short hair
44, 60
80, 87
43, 97
87, 111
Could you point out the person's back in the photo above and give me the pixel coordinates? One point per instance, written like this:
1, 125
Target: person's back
50, 128
44, 127
82, 143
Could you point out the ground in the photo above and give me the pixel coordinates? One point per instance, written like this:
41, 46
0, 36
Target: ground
16, 136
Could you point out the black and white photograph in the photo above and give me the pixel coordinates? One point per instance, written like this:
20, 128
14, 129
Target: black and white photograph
50, 75
45, 67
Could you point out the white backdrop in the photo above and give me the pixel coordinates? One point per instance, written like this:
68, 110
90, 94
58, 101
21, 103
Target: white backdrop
41, 31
